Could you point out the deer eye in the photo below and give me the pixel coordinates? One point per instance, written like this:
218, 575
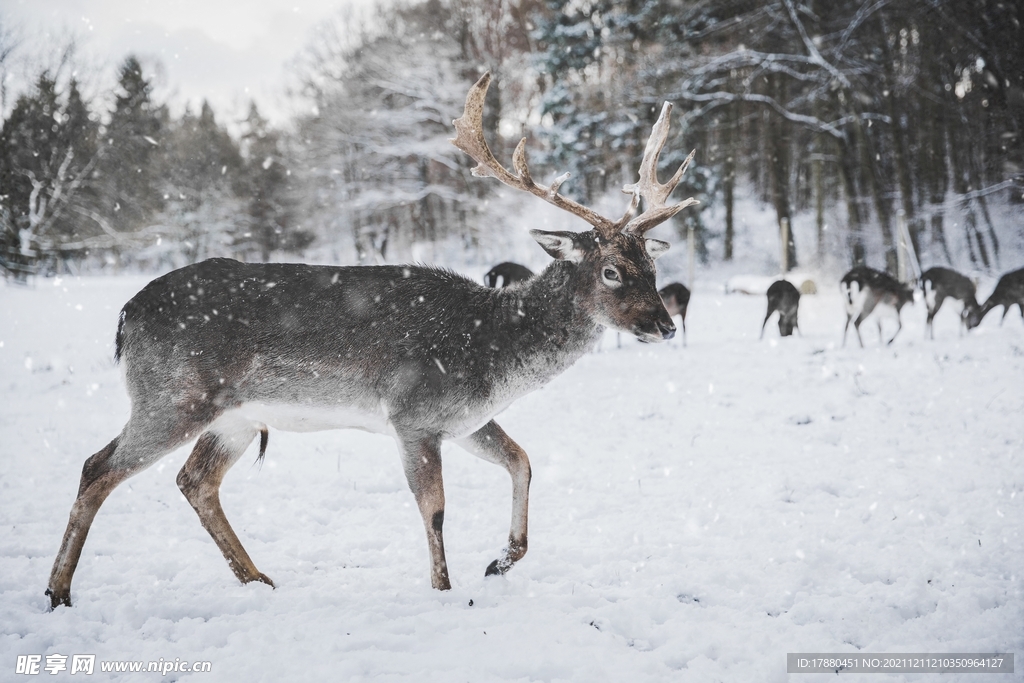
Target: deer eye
610, 277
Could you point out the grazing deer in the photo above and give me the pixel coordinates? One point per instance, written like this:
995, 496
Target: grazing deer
220, 350
865, 289
783, 297
508, 272
1009, 291
939, 284
676, 297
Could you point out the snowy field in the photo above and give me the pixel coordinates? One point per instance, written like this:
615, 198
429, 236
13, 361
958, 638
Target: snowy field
696, 514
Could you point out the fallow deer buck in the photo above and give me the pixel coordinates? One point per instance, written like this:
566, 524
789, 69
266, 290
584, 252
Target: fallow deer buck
221, 350
1009, 291
939, 284
784, 297
865, 289
507, 273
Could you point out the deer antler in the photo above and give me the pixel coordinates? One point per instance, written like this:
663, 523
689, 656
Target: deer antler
654, 193
469, 137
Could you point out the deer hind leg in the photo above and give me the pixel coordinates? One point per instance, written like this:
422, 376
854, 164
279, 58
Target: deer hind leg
856, 328
139, 445
200, 478
932, 311
421, 458
769, 314
899, 326
492, 444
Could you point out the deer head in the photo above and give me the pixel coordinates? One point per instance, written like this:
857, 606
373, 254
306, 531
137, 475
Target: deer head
613, 262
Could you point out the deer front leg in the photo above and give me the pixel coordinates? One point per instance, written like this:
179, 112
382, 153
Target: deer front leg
421, 458
200, 478
899, 326
491, 443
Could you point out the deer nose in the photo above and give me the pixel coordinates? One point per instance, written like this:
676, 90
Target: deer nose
667, 330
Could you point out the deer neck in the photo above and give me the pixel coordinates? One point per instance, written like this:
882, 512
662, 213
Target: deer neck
546, 319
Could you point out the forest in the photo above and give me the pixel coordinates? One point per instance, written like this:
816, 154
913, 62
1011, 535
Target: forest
868, 119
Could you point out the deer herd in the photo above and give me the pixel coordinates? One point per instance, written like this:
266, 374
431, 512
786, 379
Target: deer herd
217, 352
866, 290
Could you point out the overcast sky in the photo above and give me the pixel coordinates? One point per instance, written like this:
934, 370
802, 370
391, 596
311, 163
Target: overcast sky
223, 50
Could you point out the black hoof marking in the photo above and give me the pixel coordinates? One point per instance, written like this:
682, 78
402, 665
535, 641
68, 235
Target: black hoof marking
493, 570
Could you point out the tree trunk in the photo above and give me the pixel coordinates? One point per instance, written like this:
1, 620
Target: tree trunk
729, 138
847, 170
818, 181
780, 149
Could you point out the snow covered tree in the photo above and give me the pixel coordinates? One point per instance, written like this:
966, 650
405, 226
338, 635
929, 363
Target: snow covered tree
375, 153
130, 141
603, 91
203, 187
47, 152
270, 196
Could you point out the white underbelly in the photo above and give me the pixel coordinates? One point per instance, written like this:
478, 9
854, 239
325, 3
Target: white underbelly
313, 418
306, 418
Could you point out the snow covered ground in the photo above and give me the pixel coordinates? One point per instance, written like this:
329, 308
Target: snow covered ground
696, 514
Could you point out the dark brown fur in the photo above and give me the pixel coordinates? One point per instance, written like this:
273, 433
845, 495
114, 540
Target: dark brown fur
508, 272
783, 297
1009, 291
677, 299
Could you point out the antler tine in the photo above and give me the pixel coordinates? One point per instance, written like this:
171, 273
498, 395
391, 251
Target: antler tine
469, 137
654, 193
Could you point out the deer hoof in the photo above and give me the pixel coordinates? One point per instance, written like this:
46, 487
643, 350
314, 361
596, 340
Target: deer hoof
499, 567
262, 578
58, 598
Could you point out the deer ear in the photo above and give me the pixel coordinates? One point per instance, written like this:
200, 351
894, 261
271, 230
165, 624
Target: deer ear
656, 247
560, 245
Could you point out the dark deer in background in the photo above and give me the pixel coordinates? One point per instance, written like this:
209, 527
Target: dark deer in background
507, 273
219, 350
676, 297
1009, 291
865, 289
783, 297
939, 284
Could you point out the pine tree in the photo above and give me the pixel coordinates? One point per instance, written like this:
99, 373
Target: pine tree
270, 202
130, 193
203, 185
